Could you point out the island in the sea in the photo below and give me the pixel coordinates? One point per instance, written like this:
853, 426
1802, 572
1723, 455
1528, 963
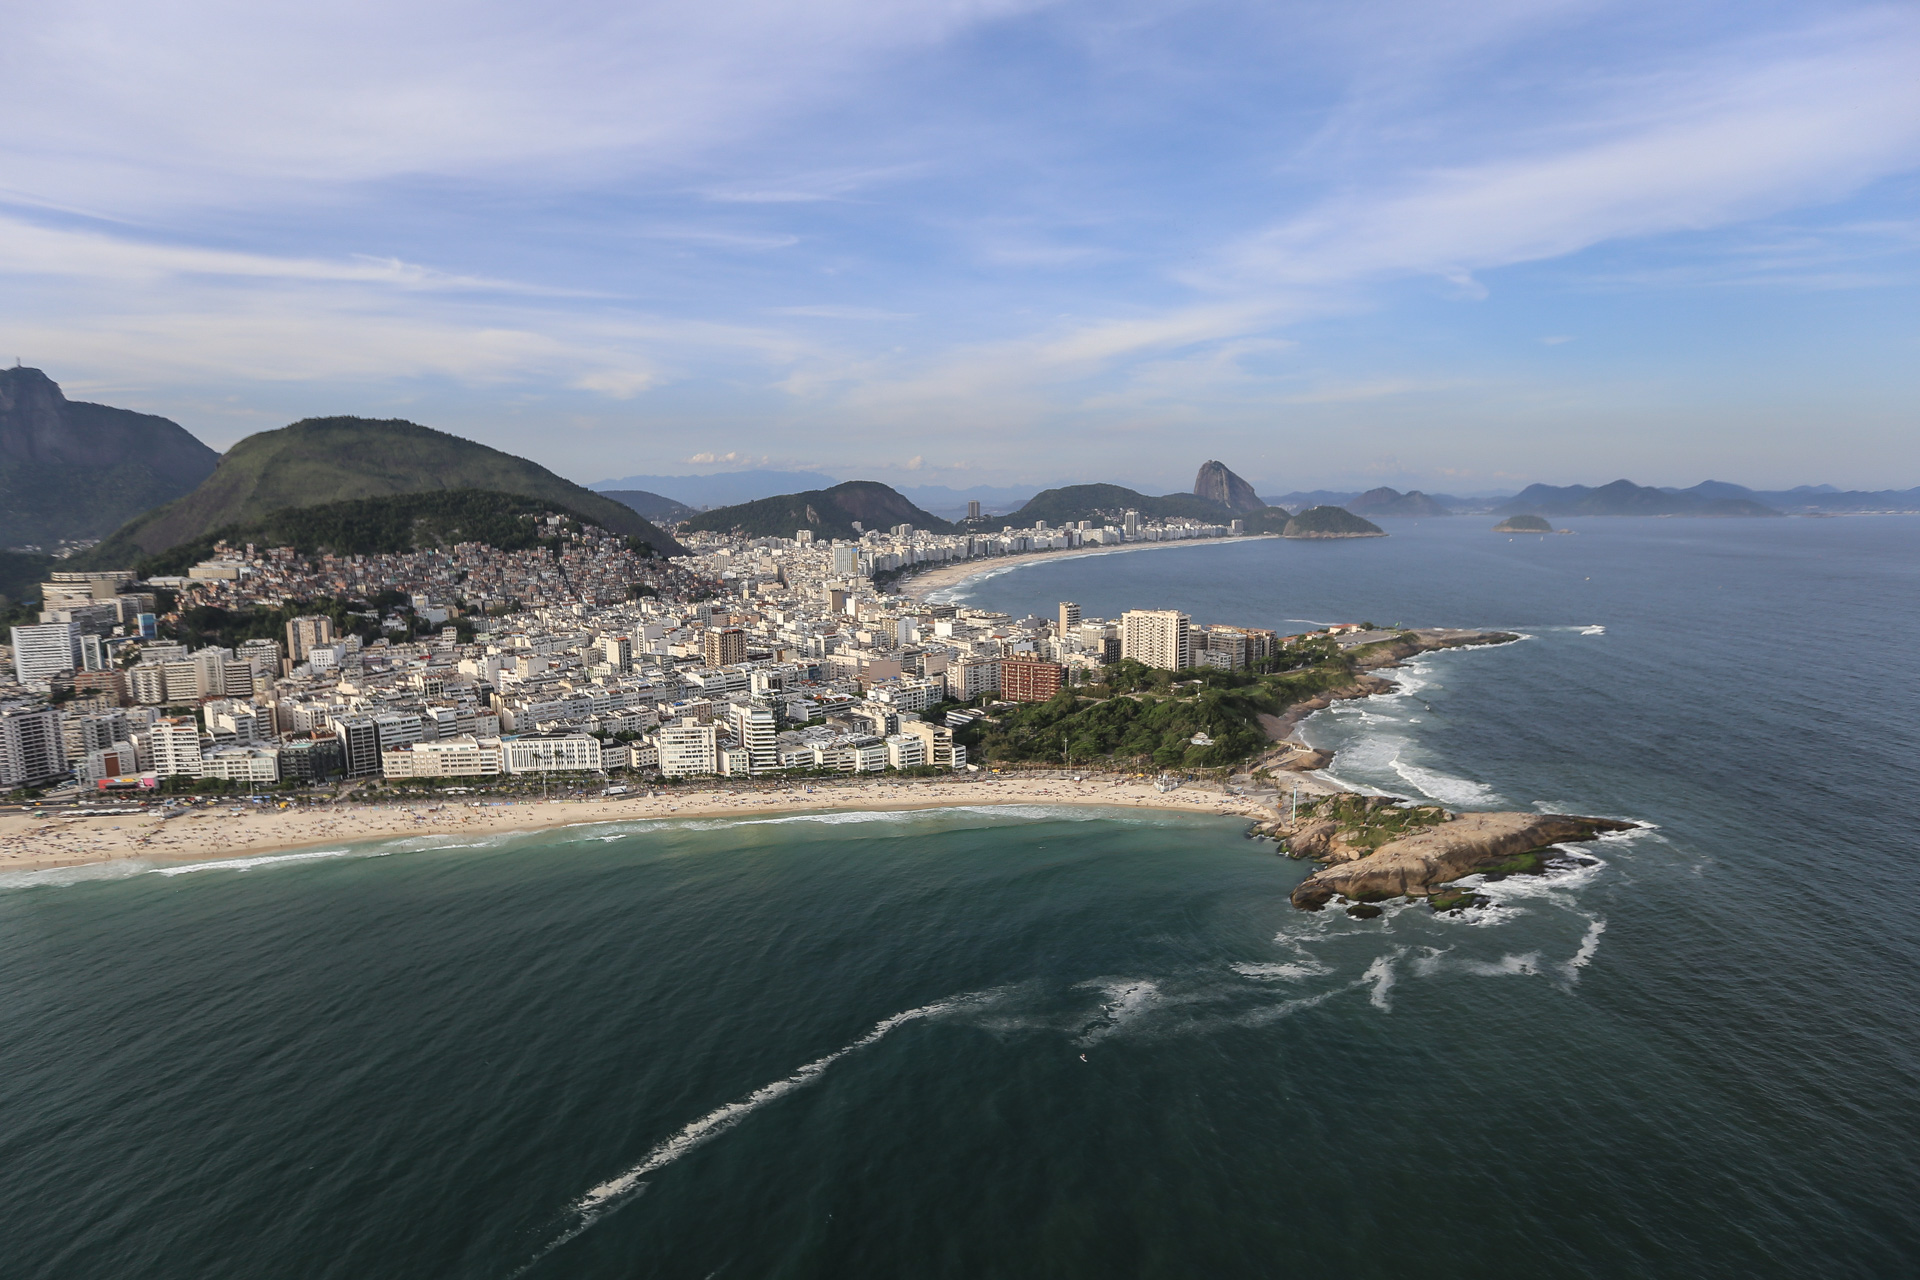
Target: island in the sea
1524, 524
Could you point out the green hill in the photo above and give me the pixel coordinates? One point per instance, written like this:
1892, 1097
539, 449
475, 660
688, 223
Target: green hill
327, 460
1331, 522
830, 513
1523, 524
381, 526
71, 470
1107, 503
661, 510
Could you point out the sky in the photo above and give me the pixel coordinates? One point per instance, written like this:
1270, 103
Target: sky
1454, 246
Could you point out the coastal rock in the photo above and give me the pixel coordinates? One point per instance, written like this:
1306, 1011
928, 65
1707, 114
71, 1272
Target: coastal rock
1417, 864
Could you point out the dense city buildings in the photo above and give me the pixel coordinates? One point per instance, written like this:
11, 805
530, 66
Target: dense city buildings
745, 657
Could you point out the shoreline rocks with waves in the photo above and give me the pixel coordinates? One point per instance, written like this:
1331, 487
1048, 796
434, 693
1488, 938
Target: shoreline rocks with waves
1373, 848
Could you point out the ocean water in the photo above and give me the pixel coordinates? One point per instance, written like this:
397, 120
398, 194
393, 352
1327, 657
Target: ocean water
1075, 1042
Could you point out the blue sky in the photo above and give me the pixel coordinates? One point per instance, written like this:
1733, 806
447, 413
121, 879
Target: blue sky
1454, 246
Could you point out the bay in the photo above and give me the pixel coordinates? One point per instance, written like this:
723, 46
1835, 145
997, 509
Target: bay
853, 1045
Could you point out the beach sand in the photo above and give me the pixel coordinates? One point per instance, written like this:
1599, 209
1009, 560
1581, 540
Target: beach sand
232, 829
918, 586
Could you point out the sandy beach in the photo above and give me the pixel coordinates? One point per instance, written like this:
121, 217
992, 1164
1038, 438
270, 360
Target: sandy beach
229, 830
921, 584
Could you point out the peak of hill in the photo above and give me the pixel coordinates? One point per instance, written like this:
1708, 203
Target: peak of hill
1625, 498
325, 460
1216, 483
1331, 522
1391, 502
71, 470
829, 513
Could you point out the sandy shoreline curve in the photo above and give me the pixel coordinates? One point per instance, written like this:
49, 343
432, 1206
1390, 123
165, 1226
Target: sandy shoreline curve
947, 576
227, 830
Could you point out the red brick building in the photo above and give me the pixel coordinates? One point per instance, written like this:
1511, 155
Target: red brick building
1024, 680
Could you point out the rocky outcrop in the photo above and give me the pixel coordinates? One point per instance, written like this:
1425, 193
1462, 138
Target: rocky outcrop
1331, 522
1418, 864
1216, 483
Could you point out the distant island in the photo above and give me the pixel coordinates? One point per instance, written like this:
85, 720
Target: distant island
1524, 524
1331, 522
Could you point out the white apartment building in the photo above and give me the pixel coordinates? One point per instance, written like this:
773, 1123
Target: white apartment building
970, 679
242, 764
176, 748
453, 757
1157, 637
937, 746
44, 651
753, 728
905, 751
148, 684
551, 753
688, 748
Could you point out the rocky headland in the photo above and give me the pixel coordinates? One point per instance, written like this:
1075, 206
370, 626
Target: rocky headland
1373, 848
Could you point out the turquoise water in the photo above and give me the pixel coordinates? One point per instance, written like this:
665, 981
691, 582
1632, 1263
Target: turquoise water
852, 1045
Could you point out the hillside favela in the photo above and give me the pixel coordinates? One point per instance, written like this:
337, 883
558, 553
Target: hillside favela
959, 640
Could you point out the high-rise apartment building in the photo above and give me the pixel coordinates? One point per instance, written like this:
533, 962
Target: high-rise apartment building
846, 560
973, 511
618, 652
359, 746
44, 651
753, 728
1157, 637
304, 633
176, 747
1069, 617
31, 748
1023, 680
725, 646
689, 747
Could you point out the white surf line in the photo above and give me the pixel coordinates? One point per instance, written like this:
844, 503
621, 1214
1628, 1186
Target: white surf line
591, 1206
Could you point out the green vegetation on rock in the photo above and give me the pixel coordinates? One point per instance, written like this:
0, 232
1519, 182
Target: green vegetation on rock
1524, 524
1367, 822
829, 513
1331, 522
1142, 717
325, 460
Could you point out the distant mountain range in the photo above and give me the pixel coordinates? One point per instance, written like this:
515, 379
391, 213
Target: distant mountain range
70, 470
829, 513
324, 460
1625, 498
732, 488
728, 488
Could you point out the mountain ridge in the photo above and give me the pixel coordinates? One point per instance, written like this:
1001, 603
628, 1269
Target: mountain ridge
72, 470
323, 460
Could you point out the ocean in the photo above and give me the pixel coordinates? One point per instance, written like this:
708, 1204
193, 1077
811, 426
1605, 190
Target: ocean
1075, 1042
